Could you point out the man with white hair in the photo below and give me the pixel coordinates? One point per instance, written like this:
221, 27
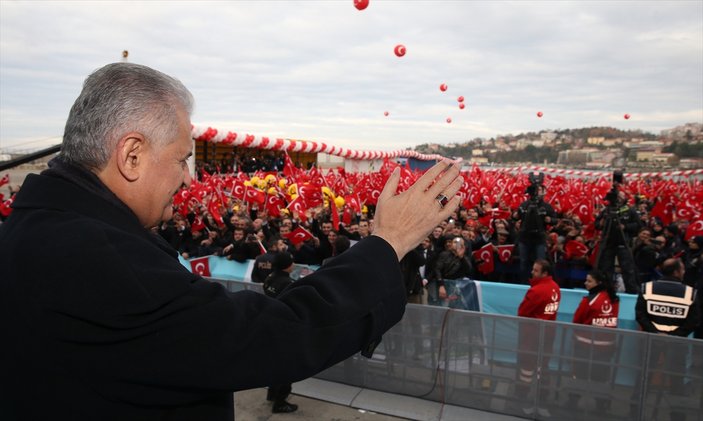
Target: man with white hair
102, 320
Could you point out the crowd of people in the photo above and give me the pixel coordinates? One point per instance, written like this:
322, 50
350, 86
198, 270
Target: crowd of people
626, 247
490, 240
624, 241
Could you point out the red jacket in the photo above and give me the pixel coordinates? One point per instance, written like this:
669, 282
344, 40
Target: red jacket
541, 300
597, 310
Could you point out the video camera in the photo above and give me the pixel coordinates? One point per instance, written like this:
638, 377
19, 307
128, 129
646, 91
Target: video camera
612, 196
536, 179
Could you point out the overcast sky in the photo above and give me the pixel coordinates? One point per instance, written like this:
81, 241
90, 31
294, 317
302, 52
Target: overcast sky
324, 71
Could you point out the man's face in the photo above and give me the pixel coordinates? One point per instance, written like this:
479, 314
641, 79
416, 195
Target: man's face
537, 271
284, 231
644, 235
165, 171
326, 227
364, 227
238, 235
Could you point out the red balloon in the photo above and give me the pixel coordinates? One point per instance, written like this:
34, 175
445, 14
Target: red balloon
460, 99
443, 87
385, 113
540, 114
627, 116
461, 105
399, 50
361, 4
449, 119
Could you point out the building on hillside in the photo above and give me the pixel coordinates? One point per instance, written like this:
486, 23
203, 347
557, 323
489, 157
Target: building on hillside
580, 156
646, 154
690, 163
548, 137
595, 140
665, 159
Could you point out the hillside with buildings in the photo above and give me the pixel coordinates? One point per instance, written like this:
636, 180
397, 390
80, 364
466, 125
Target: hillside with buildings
594, 147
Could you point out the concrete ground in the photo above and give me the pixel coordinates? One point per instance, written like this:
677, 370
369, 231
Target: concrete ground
252, 405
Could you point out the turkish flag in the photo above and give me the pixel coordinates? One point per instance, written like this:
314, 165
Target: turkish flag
353, 202
311, 194
593, 256
500, 214
486, 220
335, 215
346, 216
695, 229
372, 195
316, 178
505, 252
686, 210
663, 211
575, 249
198, 224
5, 180
6, 206
181, 197
253, 195
484, 257
200, 266
297, 206
299, 235
238, 189
289, 169
213, 207
274, 203
584, 210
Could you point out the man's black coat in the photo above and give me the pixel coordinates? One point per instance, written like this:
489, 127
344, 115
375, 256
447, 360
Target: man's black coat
99, 320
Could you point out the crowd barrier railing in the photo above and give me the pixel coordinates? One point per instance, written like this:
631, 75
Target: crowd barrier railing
473, 359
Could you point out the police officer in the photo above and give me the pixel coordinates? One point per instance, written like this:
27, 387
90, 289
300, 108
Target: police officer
666, 305
669, 307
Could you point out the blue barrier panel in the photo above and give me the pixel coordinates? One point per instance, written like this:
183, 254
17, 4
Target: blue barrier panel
501, 298
488, 297
221, 268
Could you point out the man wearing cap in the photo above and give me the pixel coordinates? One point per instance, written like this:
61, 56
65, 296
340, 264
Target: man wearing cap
274, 284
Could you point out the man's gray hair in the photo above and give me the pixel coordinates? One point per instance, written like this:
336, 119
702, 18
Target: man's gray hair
117, 99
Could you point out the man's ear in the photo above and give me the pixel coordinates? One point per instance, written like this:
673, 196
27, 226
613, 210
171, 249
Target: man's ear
130, 154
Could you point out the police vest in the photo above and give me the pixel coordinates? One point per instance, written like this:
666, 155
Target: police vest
668, 303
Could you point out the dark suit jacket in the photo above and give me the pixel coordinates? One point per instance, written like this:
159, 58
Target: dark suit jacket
99, 320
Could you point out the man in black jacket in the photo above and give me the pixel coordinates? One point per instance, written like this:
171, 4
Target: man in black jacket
274, 284
103, 322
534, 214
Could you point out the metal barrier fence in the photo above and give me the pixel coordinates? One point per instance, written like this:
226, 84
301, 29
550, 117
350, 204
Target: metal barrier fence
529, 368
